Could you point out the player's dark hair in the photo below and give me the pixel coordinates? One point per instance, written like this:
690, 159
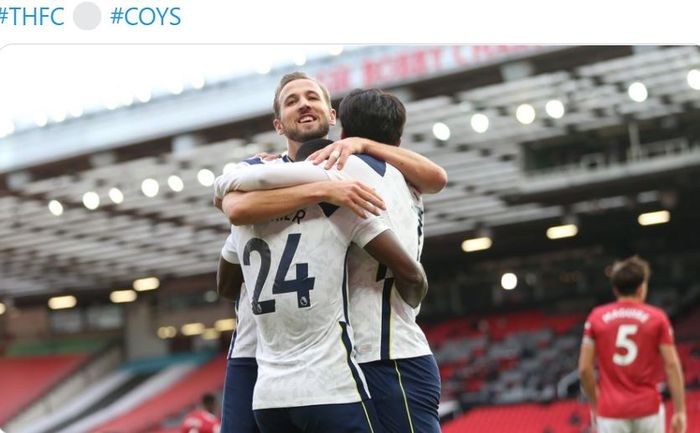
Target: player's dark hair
627, 275
311, 146
288, 78
373, 114
208, 400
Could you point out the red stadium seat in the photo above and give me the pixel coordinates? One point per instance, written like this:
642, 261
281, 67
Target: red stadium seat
559, 417
180, 396
24, 379
523, 418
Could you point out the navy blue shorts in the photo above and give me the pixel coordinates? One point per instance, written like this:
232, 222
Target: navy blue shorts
358, 417
406, 393
237, 403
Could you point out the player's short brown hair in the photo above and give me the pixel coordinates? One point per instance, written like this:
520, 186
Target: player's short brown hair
288, 78
628, 274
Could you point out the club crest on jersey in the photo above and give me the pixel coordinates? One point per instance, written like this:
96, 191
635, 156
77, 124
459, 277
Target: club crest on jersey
295, 217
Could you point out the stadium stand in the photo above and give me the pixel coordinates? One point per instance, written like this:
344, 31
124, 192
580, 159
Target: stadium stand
504, 358
558, 417
568, 416
98, 358
25, 378
132, 399
180, 395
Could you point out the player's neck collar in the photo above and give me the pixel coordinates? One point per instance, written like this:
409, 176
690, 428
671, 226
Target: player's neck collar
630, 299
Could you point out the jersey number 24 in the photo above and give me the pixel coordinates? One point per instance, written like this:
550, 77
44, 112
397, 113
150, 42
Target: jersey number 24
302, 284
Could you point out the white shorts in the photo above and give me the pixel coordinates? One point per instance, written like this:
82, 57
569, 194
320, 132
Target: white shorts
646, 424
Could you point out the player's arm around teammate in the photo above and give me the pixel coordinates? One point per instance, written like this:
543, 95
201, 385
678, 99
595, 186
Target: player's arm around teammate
258, 206
409, 275
411, 285
425, 175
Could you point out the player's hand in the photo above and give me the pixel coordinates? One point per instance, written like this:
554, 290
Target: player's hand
679, 422
353, 194
337, 153
267, 156
218, 203
594, 418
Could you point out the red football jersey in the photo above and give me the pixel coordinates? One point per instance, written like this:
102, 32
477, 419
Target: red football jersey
200, 421
627, 336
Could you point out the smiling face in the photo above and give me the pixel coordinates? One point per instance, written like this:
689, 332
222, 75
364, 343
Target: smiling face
304, 114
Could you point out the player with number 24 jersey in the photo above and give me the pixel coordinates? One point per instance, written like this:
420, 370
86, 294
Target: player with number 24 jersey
296, 279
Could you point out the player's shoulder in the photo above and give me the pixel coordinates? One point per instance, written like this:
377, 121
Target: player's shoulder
256, 160
655, 311
599, 310
379, 166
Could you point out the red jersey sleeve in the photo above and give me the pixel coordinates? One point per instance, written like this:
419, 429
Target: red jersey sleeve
665, 330
589, 329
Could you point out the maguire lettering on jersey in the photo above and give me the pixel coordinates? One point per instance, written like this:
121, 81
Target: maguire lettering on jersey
622, 313
295, 217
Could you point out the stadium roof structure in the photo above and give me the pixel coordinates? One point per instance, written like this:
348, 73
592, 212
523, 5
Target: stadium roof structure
493, 181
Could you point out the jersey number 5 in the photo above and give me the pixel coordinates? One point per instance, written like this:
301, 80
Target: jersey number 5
623, 341
302, 284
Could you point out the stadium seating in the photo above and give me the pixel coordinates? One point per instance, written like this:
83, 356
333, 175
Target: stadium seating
178, 397
512, 360
558, 417
505, 358
689, 353
567, 416
688, 328
25, 378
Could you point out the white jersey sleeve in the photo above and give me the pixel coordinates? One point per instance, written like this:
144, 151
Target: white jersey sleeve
230, 249
354, 229
226, 182
269, 176
244, 339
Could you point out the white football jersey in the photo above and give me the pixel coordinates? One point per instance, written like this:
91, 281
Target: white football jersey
385, 326
295, 271
244, 339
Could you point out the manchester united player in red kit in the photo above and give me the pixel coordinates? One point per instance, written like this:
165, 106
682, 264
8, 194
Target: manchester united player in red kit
202, 420
631, 341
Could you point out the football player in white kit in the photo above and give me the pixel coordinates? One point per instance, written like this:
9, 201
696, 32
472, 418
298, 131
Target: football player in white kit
241, 371
312, 102
402, 374
242, 368
295, 269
